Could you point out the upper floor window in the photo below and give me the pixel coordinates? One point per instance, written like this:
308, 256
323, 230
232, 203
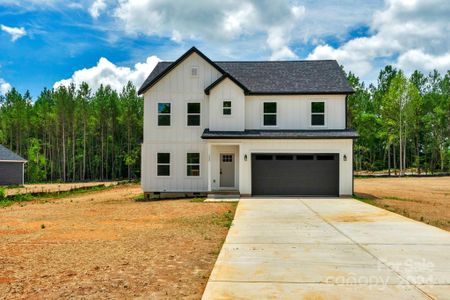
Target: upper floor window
226, 108
193, 164
270, 114
164, 114
193, 114
163, 164
194, 71
317, 113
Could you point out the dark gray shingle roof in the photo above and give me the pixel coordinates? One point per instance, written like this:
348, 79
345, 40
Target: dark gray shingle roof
307, 76
271, 77
7, 155
158, 70
281, 134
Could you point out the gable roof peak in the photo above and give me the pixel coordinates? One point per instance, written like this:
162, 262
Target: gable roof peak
150, 81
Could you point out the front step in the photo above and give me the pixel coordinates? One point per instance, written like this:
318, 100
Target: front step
223, 196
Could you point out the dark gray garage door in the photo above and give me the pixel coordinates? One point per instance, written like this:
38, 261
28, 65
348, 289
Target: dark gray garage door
295, 174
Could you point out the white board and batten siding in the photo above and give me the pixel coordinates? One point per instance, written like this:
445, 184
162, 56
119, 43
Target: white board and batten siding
178, 87
227, 90
294, 111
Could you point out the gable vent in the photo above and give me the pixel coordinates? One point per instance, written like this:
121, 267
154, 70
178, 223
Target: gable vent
194, 71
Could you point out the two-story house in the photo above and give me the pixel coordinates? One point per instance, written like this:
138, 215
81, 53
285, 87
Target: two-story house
254, 127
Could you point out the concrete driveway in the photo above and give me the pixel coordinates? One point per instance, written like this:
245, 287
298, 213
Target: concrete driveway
329, 248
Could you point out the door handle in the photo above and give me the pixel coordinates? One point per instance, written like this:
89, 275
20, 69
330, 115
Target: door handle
220, 171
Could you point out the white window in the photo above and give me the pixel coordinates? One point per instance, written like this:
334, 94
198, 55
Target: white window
193, 164
317, 113
164, 111
163, 164
226, 108
194, 71
193, 114
270, 114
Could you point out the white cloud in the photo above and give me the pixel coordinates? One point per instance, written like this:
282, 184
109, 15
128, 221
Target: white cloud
411, 34
4, 86
97, 7
417, 59
15, 32
107, 73
218, 22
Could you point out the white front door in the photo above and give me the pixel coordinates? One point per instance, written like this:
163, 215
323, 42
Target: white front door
226, 170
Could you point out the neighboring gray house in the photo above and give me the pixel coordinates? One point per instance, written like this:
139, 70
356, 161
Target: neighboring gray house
247, 127
11, 167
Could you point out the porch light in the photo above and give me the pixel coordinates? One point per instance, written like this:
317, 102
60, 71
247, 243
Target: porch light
345, 157
245, 157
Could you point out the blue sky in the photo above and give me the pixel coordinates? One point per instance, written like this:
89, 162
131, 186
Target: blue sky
48, 42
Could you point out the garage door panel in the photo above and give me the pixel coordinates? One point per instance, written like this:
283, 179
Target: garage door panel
296, 174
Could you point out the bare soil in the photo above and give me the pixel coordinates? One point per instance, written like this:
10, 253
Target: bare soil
426, 199
55, 187
104, 244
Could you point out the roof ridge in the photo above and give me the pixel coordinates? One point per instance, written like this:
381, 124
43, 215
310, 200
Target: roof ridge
271, 61
260, 61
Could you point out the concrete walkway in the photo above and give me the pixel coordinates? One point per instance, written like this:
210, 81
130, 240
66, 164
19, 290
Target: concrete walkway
308, 248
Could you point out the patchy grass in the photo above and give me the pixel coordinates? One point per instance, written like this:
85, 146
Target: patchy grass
425, 199
226, 219
107, 245
198, 200
140, 197
43, 198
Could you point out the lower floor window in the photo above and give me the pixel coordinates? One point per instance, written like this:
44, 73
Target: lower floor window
193, 164
163, 164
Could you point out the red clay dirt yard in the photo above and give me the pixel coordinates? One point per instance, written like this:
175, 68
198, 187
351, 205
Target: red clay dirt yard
425, 199
105, 244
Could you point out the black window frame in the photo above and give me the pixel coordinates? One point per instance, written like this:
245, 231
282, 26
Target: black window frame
164, 115
192, 165
268, 115
162, 164
227, 109
193, 115
318, 115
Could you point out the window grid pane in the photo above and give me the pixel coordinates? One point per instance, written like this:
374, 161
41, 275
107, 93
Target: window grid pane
193, 108
270, 120
164, 108
164, 120
163, 158
193, 158
193, 120
270, 107
318, 119
163, 170
318, 107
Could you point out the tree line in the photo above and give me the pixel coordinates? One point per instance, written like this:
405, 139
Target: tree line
403, 122
74, 134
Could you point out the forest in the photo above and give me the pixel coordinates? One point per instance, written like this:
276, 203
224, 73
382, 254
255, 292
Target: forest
73, 133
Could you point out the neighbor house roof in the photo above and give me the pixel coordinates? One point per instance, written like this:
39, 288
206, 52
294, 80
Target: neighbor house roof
8, 155
269, 77
281, 134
